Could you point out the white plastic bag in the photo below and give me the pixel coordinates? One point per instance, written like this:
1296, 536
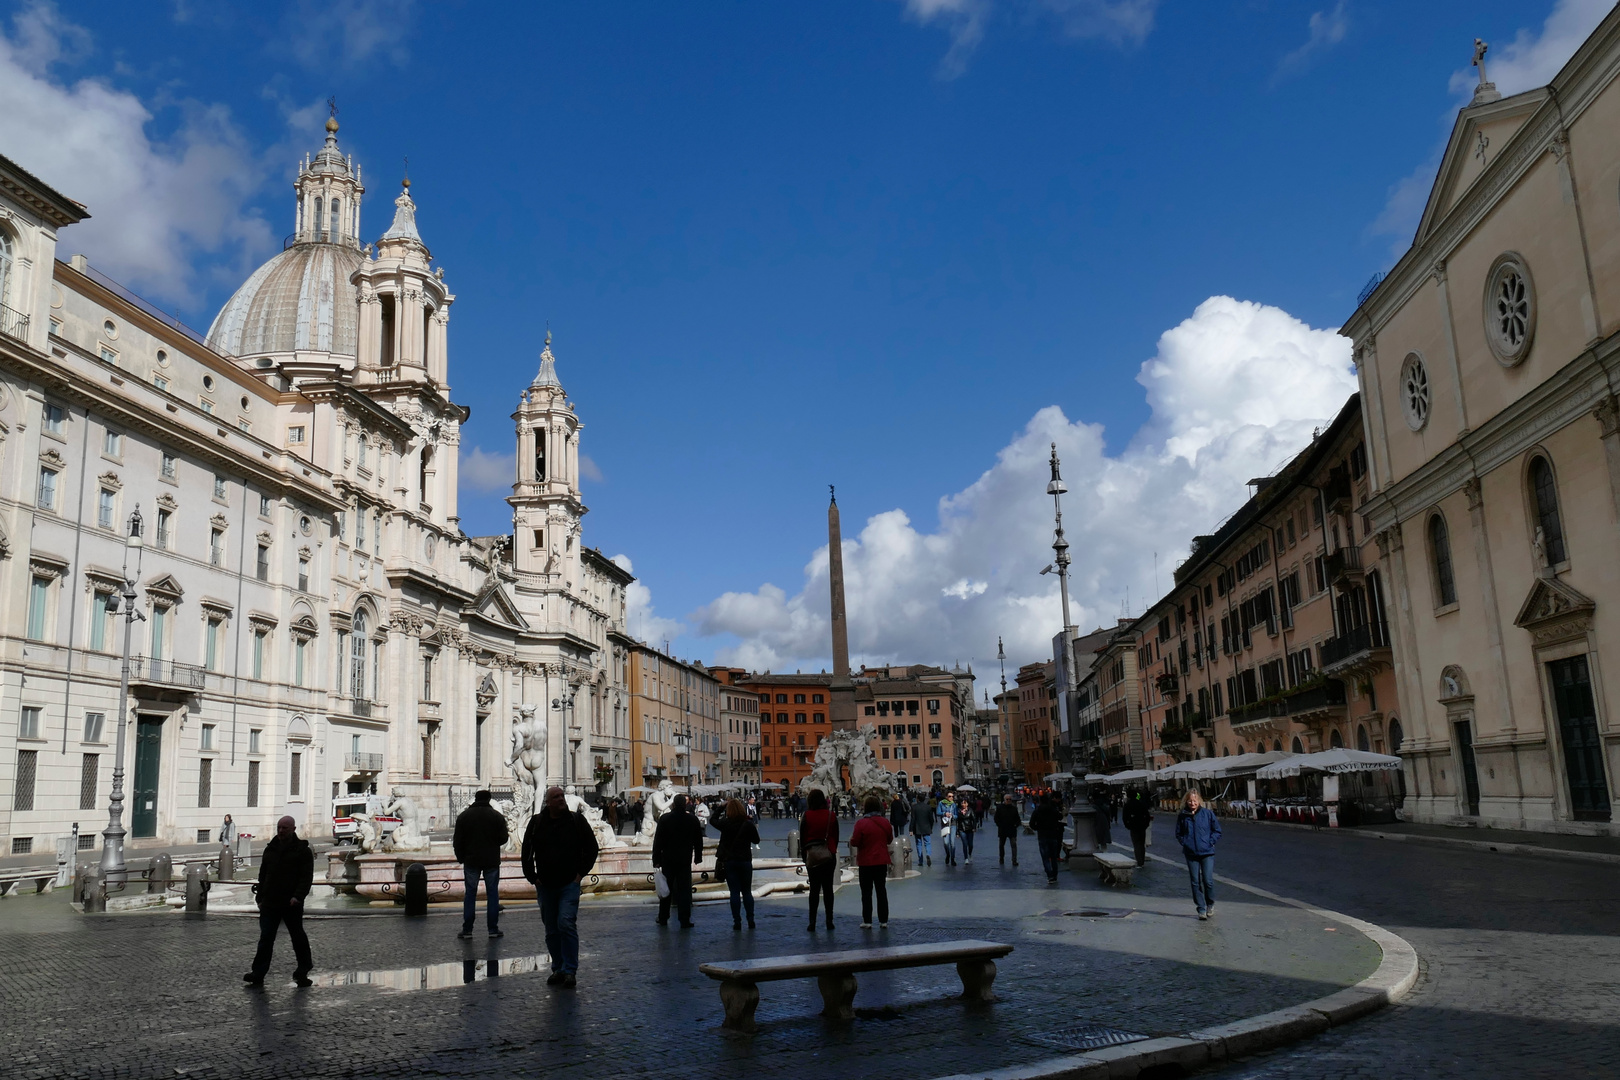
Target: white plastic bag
660, 883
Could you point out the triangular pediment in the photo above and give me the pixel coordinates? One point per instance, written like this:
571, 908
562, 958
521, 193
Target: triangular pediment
1552, 601
1466, 159
166, 585
497, 605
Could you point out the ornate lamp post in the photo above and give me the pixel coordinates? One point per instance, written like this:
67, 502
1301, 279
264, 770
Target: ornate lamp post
112, 837
1060, 548
564, 708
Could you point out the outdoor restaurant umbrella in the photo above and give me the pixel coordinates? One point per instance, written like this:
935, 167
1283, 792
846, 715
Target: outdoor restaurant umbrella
1221, 768
1131, 776
1329, 761
966, 787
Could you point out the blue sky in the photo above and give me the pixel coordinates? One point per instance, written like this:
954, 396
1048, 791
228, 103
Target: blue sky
780, 246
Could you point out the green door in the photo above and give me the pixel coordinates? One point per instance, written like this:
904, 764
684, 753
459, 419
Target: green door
148, 756
1578, 732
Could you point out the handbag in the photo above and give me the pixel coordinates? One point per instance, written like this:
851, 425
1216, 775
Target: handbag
660, 884
817, 854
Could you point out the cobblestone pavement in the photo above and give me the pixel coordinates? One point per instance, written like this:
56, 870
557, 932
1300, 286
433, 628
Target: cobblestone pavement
1521, 957
147, 995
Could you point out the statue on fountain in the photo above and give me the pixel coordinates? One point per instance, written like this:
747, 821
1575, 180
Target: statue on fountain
605, 837
528, 761
659, 803
848, 748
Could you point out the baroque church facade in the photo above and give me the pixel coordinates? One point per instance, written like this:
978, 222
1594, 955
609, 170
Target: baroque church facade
311, 620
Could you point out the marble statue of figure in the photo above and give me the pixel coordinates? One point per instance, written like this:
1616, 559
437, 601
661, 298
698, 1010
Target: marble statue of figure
605, 837
528, 758
658, 804
404, 837
845, 747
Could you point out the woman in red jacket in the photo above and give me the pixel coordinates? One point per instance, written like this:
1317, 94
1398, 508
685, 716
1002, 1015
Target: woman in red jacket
818, 847
870, 840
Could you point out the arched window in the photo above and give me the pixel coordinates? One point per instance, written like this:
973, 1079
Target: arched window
1277, 745
1336, 742
1296, 748
317, 217
337, 218
1361, 738
5, 267
422, 478
357, 658
1445, 585
1396, 735
539, 453
1240, 749
1545, 493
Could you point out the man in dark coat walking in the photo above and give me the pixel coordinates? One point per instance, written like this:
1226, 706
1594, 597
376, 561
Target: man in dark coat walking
286, 872
677, 846
1047, 821
480, 834
899, 813
1007, 825
559, 849
1138, 818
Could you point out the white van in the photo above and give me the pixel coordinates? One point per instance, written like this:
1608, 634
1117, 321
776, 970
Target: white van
345, 829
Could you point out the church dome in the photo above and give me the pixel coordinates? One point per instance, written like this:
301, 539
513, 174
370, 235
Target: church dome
303, 299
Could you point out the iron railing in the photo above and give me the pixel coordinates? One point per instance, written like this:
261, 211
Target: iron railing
13, 323
1345, 562
1354, 642
1369, 288
148, 669
363, 762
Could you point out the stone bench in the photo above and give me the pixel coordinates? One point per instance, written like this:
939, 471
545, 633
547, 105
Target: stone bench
12, 881
834, 972
1116, 869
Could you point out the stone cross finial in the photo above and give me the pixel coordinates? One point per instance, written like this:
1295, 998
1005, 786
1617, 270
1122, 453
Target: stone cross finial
1485, 92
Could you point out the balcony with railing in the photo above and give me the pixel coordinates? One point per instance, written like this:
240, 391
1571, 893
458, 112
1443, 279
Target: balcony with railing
13, 323
1342, 565
1167, 682
363, 763
1357, 647
1337, 492
151, 675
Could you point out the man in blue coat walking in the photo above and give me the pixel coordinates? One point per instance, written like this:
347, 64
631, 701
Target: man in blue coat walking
1197, 830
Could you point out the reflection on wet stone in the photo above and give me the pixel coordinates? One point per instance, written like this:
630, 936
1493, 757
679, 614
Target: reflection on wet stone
435, 976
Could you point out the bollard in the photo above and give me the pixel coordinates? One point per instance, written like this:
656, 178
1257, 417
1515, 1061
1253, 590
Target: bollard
793, 844
196, 889
92, 889
159, 871
415, 890
227, 864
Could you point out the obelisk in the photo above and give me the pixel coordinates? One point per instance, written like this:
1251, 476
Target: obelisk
842, 692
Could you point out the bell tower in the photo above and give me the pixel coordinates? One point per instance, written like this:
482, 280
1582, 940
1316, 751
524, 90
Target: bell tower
404, 308
546, 505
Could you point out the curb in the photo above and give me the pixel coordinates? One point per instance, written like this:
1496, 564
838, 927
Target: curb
1502, 848
1393, 979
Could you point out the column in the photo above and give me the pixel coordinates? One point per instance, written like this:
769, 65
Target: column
1607, 414
1493, 616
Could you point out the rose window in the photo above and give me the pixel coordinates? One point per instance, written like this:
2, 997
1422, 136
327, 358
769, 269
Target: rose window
1510, 309
1415, 392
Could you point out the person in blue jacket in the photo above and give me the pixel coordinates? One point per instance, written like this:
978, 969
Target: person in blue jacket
1197, 830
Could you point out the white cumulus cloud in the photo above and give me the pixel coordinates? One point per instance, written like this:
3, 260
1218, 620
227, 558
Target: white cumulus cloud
641, 620
1235, 390
160, 207
485, 472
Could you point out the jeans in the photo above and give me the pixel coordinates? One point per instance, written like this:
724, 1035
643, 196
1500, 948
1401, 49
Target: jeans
269, 920
1202, 871
925, 845
559, 910
947, 840
967, 843
740, 880
875, 878
492, 896
1051, 854
680, 895
821, 884
1139, 843
1001, 847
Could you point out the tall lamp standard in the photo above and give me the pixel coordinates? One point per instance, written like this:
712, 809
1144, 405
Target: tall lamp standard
564, 708
1060, 548
112, 837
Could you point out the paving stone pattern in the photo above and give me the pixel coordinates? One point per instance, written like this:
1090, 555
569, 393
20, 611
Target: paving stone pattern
160, 995
1520, 958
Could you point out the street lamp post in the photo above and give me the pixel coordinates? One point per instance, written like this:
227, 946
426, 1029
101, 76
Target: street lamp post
1060, 548
564, 708
112, 837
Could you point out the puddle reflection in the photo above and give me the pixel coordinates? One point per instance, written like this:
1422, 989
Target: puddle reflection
436, 976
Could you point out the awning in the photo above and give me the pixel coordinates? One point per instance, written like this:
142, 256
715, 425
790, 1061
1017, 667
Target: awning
1222, 768
1130, 776
1329, 761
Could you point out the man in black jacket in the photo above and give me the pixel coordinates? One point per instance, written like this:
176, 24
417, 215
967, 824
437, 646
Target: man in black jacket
480, 834
899, 813
1047, 821
677, 847
1007, 825
559, 849
286, 872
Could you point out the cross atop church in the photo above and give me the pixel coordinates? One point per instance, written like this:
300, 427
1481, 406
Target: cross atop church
331, 103
1485, 92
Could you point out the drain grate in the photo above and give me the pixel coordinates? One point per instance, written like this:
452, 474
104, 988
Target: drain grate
1084, 1037
1087, 913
